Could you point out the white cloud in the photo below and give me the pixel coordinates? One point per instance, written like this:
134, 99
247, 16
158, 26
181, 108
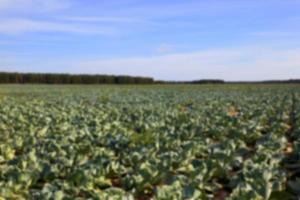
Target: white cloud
33, 5
244, 63
19, 26
240, 63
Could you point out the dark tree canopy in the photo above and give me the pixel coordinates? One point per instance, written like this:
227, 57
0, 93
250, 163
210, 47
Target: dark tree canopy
34, 78
51, 78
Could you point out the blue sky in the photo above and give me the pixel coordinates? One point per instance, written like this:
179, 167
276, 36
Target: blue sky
165, 39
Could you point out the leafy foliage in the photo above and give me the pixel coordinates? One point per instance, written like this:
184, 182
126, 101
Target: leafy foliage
152, 142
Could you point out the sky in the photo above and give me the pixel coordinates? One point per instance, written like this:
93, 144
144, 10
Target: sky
165, 39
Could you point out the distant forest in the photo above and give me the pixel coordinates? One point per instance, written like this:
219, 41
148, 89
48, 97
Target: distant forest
51, 78
34, 78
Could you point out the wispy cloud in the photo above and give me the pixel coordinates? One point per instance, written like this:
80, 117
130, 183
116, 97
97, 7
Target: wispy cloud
177, 8
276, 33
19, 26
94, 19
33, 5
159, 28
249, 63
240, 63
7, 42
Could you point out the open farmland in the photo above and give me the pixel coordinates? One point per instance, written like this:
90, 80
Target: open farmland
163, 142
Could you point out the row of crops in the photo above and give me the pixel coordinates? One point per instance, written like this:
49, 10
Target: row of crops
150, 142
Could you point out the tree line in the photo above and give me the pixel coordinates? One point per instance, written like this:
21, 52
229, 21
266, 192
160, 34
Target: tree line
202, 81
289, 81
44, 78
51, 78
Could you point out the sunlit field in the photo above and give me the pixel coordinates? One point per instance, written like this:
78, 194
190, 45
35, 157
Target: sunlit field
150, 142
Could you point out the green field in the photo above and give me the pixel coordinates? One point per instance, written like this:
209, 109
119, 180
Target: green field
163, 142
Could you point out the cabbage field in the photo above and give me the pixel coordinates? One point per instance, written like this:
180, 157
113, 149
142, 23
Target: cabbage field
236, 142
